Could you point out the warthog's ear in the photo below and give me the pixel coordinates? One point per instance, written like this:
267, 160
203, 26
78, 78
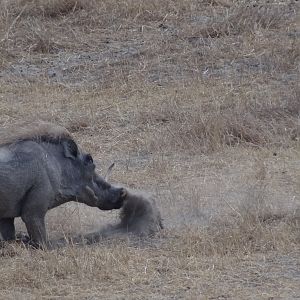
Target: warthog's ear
70, 149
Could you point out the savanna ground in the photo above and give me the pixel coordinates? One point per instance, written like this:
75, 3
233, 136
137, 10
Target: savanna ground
196, 101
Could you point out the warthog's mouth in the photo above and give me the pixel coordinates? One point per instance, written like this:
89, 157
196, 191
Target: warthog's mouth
113, 198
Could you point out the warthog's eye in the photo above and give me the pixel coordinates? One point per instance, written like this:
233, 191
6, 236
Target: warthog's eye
88, 159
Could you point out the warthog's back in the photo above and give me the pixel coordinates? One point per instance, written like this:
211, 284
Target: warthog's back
25, 162
32, 131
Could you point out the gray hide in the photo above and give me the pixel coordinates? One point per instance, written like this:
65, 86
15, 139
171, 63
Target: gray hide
37, 175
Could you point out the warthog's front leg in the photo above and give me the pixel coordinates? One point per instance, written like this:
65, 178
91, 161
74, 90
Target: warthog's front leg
33, 214
36, 230
7, 229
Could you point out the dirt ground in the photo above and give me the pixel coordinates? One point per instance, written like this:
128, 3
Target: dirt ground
196, 102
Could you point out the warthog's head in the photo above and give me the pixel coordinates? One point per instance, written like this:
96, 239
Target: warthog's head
109, 197
91, 188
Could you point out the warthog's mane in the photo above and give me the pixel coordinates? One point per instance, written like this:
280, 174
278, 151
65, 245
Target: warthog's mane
38, 131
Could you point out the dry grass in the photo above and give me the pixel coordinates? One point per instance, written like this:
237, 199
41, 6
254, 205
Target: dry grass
196, 101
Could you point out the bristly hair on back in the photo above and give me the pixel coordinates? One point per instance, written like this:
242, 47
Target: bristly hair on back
36, 131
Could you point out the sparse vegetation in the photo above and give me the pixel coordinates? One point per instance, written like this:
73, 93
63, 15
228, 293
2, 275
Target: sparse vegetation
197, 101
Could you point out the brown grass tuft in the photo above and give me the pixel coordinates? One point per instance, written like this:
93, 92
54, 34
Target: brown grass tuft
46, 8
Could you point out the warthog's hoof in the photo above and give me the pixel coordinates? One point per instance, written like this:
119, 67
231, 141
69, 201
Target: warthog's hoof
22, 237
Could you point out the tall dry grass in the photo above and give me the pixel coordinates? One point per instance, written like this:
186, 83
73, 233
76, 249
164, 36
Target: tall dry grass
184, 96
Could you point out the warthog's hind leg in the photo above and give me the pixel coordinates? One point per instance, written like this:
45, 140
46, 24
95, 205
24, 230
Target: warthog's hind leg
7, 229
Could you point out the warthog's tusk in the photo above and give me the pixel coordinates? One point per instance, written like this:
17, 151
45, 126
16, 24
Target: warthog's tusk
123, 194
91, 193
109, 171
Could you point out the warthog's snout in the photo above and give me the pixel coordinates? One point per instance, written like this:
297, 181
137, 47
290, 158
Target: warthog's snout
120, 195
112, 198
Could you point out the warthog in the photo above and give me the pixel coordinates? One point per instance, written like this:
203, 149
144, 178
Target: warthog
42, 167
